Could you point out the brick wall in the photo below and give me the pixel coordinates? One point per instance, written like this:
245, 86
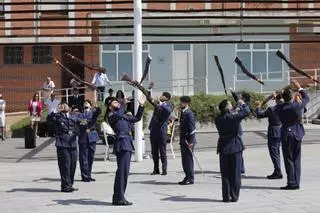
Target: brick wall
19, 82
305, 55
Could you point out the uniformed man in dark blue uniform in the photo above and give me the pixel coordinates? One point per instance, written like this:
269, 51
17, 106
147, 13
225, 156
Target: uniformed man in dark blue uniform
121, 125
158, 133
274, 135
246, 98
292, 132
230, 148
187, 139
88, 137
65, 126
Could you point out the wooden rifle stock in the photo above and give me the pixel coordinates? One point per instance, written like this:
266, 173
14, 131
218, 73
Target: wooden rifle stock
294, 67
89, 66
137, 85
146, 69
91, 86
246, 71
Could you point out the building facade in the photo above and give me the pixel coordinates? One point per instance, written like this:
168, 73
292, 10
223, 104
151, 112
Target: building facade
31, 31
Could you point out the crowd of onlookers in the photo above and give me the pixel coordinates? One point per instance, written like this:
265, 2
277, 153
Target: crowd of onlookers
74, 98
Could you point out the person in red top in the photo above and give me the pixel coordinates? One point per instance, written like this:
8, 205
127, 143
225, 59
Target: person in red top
35, 108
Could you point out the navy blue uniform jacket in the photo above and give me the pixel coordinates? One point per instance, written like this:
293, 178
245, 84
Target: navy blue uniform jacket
273, 119
291, 117
65, 130
187, 127
121, 125
160, 117
228, 127
91, 117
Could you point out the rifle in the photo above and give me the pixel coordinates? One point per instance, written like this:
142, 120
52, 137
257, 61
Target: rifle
221, 74
146, 69
137, 85
294, 67
89, 66
77, 78
246, 71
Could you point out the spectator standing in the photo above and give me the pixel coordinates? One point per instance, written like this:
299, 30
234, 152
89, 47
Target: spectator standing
48, 87
100, 80
52, 105
2, 117
35, 108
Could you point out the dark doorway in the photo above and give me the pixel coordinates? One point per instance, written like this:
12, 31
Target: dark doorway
76, 68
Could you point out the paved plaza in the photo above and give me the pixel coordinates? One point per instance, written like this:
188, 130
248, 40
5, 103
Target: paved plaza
29, 181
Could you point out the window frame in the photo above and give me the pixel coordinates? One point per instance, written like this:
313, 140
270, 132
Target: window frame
3, 8
117, 51
52, 10
10, 63
266, 50
39, 46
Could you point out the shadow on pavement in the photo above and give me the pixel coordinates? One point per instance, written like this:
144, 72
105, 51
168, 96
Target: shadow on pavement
141, 173
85, 202
183, 198
46, 180
41, 190
101, 172
153, 182
261, 187
253, 177
206, 172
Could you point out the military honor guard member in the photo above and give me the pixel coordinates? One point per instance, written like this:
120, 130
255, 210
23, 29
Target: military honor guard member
246, 98
274, 134
292, 132
230, 148
187, 139
88, 136
158, 133
121, 125
66, 143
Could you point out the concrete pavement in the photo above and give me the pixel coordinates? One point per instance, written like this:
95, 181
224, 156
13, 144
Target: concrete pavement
29, 182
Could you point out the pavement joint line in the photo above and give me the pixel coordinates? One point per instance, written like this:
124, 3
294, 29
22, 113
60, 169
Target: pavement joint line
262, 134
36, 150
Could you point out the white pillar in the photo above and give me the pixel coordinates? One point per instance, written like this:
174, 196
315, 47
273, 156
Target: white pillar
137, 73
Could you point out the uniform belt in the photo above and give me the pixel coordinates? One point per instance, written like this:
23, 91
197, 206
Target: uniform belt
228, 136
275, 126
123, 134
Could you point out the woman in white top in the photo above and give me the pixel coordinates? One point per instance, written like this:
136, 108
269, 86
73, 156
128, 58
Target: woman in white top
2, 117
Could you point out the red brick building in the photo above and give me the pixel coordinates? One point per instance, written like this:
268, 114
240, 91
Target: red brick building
23, 68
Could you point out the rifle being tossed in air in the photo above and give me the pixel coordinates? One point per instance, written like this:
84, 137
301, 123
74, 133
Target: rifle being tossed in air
77, 78
138, 85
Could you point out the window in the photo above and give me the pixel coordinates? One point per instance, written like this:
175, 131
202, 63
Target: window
41, 54
260, 59
118, 59
1, 8
13, 55
54, 9
181, 47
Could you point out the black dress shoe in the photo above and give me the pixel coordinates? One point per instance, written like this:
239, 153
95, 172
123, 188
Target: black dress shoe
92, 179
155, 172
67, 190
164, 172
186, 182
234, 200
290, 187
274, 176
121, 203
74, 189
86, 180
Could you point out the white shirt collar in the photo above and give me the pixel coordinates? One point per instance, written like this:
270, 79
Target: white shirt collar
185, 109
